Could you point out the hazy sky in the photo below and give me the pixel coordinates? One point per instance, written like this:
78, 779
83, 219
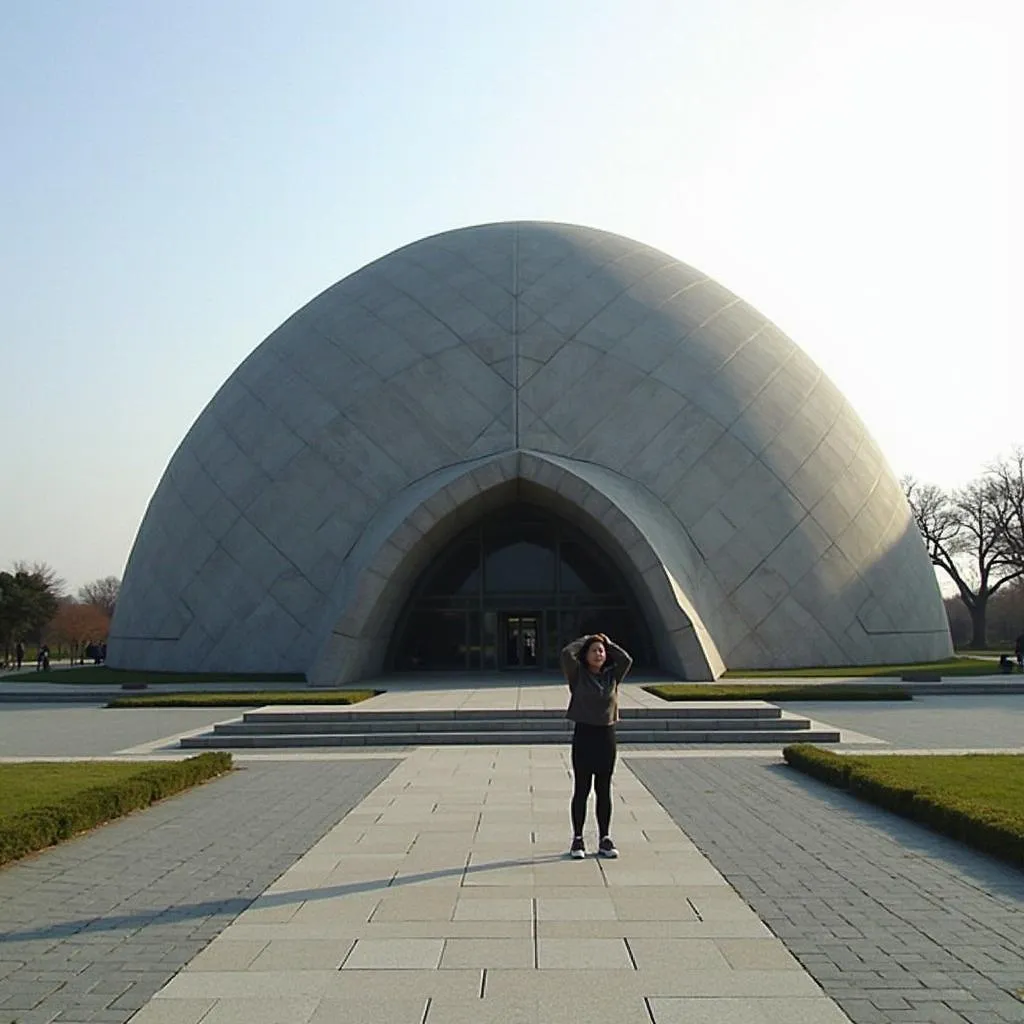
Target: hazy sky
181, 175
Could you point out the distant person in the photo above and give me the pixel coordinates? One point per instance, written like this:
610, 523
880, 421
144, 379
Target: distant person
1018, 650
593, 667
19, 653
1005, 665
43, 659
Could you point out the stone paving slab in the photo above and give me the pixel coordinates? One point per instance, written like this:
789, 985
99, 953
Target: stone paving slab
993, 722
84, 731
896, 923
452, 848
91, 929
470, 909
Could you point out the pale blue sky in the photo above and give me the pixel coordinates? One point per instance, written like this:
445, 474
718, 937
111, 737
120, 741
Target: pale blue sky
181, 175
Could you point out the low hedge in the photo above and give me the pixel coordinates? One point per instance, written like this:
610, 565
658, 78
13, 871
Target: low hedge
242, 700
993, 823
31, 830
956, 666
776, 692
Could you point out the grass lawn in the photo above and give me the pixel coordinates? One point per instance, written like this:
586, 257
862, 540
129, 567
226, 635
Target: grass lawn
100, 674
976, 798
775, 691
993, 781
42, 803
242, 700
949, 667
29, 786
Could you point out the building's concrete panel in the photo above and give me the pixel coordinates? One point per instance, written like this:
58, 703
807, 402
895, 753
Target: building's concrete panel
743, 497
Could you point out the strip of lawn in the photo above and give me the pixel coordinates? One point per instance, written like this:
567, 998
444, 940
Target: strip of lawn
242, 700
94, 675
42, 803
975, 798
775, 692
949, 667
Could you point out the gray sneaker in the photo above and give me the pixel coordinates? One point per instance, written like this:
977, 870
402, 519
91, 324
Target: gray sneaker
577, 851
606, 848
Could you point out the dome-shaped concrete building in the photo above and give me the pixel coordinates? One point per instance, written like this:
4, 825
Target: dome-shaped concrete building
494, 439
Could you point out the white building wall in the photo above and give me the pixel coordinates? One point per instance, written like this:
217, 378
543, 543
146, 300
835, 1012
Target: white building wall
553, 339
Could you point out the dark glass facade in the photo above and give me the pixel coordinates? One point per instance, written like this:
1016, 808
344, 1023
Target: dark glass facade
509, 592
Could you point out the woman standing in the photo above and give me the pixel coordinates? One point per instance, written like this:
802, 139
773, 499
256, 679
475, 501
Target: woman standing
593, 667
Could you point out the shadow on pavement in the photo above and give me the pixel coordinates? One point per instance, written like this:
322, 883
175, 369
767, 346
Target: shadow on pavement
235, 906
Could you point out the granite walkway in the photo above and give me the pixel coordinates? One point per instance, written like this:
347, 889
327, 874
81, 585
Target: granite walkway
446, 897
895, 922
431, 885
92, 929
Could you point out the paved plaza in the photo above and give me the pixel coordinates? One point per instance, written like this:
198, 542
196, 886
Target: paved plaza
431, 885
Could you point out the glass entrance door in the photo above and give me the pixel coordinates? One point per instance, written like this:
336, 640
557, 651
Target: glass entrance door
507, 592
520, 642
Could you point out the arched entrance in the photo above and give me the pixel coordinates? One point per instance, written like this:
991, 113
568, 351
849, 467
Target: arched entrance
508, 592
657, 565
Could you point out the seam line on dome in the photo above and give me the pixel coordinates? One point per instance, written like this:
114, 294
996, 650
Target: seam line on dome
515, 336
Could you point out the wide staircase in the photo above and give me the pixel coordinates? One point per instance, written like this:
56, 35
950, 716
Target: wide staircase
698, 723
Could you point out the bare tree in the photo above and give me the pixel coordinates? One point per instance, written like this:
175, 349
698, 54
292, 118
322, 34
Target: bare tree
1007, 481
962, 531
101, 594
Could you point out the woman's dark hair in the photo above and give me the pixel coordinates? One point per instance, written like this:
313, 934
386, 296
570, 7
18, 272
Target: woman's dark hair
594, 638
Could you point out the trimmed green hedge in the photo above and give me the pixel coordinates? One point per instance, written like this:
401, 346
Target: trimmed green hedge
974, 798
28, 831
777, 692
948, 667
242, 700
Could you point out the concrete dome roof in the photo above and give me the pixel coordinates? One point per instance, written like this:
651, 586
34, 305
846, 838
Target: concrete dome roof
757, 519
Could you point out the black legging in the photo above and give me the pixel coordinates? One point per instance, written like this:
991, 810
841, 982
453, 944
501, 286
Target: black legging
602, 783
593, 761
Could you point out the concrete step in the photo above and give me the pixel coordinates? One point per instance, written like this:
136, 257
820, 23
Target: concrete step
686, 723
559, 726
330, 714
217, 741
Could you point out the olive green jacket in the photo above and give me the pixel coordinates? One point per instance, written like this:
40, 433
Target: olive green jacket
594, 699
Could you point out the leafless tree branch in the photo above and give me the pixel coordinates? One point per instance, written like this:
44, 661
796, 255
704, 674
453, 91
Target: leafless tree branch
964, 532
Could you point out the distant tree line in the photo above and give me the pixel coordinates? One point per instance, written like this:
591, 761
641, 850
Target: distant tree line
1004, 620
975, 535
35, 609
